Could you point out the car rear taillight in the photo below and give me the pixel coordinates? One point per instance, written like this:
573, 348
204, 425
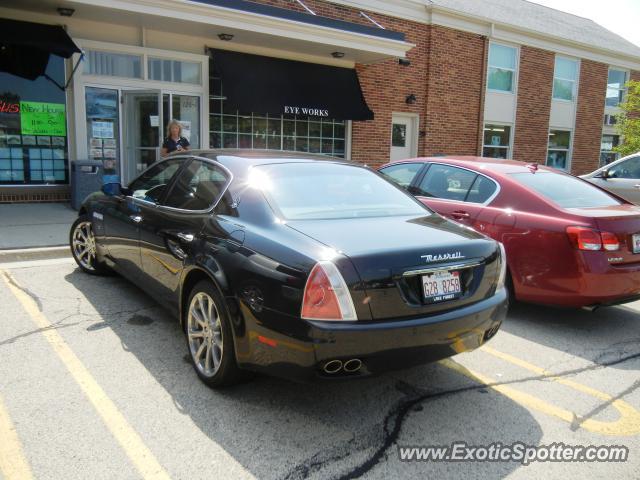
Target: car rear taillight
584, 238
326, 296
610, 241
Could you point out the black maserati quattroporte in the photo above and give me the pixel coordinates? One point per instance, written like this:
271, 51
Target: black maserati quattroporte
295, 265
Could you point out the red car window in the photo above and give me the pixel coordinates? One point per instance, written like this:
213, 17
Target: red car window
445, 181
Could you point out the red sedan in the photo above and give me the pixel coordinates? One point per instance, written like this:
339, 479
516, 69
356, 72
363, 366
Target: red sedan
568, 242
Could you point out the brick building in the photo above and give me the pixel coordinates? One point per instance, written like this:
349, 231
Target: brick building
502, 78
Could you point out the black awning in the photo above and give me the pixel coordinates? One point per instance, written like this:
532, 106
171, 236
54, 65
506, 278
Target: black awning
25, 47
253, 83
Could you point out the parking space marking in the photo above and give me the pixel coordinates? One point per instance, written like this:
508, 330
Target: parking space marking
13, 464
627, 424
141, 457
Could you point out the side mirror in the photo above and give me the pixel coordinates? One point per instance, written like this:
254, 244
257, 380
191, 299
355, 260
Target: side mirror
604, 174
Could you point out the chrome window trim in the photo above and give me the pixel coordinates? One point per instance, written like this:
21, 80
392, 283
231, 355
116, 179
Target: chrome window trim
485, 203
471, 264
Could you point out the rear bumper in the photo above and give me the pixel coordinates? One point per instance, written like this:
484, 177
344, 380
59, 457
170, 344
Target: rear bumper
381, 346
596, 283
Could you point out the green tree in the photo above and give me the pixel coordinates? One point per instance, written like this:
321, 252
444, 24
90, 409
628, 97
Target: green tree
628, 120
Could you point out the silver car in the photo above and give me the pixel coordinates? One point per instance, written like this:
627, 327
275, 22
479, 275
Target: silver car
621, 177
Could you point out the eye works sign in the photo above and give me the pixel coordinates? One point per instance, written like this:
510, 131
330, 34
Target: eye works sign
313, 112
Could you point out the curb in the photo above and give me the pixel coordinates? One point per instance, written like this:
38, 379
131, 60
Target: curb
27, 254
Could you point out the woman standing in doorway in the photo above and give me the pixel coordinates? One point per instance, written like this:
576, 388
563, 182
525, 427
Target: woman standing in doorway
174, 141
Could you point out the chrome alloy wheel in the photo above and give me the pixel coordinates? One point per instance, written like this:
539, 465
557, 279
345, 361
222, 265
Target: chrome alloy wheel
204, 332
84, 245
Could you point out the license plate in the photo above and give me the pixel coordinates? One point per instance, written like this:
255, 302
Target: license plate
441, 286
636, 242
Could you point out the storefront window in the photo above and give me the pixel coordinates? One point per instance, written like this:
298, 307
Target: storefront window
102, 127
496, 141
33, 128
559, 146
298, 133
607, 155
112, 64
174, 71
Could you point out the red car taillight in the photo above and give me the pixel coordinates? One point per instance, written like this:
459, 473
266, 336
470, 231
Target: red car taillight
326, 296
584, 238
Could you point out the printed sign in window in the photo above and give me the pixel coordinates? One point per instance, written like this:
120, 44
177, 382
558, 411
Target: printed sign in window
39, 118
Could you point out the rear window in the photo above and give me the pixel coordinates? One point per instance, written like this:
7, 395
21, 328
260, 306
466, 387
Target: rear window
323, 190
566, 191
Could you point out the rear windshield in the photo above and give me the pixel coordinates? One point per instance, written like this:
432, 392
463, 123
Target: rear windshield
566, 191
323, 190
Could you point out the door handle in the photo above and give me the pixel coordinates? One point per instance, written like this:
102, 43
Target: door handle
637, 185
185, 237
136, 218
460, 214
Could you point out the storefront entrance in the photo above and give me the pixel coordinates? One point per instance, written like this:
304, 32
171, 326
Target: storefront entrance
146, 113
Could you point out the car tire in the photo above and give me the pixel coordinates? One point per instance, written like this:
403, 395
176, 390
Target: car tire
210, 338
82, 243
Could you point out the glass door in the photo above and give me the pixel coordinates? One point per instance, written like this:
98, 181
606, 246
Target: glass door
142, 125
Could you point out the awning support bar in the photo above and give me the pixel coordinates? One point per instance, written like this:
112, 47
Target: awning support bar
73, 72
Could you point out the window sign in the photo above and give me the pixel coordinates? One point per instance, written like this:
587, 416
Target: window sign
33, 132
102, 127
39, 118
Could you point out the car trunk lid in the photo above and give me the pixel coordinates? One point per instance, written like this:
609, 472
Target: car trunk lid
392, 254
621, 220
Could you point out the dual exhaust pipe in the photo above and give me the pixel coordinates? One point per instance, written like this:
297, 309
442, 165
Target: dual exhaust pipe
348, 366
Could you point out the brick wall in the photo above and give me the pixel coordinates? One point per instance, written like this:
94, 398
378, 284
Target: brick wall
589, 117
455, 82
447, 75
535, 81
385, 85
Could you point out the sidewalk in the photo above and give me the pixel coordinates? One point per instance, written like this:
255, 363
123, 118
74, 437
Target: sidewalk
32, 225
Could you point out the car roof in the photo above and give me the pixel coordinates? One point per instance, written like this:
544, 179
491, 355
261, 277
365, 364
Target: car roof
482, 164
258, 157
239, 161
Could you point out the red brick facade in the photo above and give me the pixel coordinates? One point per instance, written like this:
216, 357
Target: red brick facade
447, 74
455, 92
587, 134
535, 81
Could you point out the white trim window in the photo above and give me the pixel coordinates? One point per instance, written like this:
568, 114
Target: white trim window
496, 141
565, 76
176, 71
608, 143
559, 150
112, 64
615, 87
501, 75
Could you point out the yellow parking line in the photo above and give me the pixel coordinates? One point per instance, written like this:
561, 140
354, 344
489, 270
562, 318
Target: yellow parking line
627, 424
13, 464
141, 457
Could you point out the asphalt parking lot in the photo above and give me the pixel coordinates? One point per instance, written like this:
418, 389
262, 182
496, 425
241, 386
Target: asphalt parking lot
95, 383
